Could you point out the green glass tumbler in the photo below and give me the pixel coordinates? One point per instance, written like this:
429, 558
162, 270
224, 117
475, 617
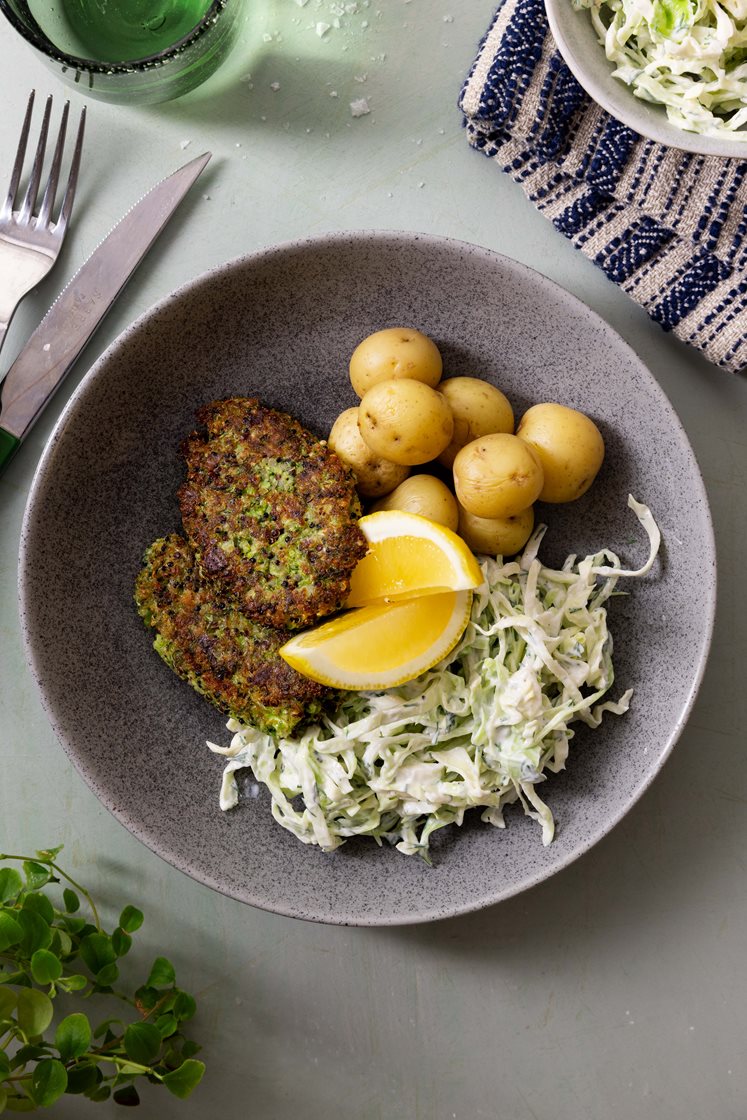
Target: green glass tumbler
76, 41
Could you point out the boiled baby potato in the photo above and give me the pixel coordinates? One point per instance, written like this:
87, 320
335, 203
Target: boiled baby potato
496, 536
405, 421
497, 475
374, 476
395, 352
479, 409
570, 448
426, 495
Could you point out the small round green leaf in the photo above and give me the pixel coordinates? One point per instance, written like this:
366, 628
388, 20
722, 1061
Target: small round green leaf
83, 1077
183, 1080
96, 951
45, 967
184, 1006
39, 904
161, 974
3, 1099
127, 1095
72, 983
71, 900
34, 1011
37, 875
121, 942
73, 1036
100, 1093
166, 1025
130, 919
11, 884
11, 933
48, 1082
4, 1064
107, 975
36, 932
146, 998
142, 1043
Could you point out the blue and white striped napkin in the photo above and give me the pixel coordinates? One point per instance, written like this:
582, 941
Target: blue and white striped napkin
669, 227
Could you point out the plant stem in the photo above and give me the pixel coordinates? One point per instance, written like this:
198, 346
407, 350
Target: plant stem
51, 864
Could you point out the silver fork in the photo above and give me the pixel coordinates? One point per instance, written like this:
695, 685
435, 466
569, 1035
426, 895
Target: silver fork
30, 242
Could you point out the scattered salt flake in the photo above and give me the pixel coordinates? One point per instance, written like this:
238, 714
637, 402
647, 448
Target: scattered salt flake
333, 93
274, 86
267, 37
207, 197
184, 144
421, 184
237, 145
448, 19
364, 24
360, 77
322, 29
359, 107
46, 347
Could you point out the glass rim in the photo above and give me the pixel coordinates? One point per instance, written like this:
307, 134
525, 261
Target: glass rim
36, 37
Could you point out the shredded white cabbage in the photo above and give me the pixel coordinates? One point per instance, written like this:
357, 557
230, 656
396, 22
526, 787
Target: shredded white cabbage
479, 730
688, 55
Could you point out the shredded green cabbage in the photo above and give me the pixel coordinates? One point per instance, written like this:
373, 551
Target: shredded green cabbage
688, 55
479, 730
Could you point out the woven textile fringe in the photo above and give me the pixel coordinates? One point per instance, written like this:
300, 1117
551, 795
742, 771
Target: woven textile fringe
669, 227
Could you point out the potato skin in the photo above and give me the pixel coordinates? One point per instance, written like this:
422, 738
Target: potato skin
496, 536
424, 494
497, 475
479, 409
569, 445
374, 476
405, 421
395, 352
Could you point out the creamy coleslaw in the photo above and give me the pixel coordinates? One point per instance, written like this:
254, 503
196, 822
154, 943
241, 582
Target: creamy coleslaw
482, 729
688, 55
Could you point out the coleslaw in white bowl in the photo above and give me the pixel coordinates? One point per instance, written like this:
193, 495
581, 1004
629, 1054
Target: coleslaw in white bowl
674, 71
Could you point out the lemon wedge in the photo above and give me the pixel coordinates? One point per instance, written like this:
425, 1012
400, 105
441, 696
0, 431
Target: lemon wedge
409, 556
383, 645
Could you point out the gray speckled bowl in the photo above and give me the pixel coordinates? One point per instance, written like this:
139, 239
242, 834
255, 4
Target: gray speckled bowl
281, 324
577, 41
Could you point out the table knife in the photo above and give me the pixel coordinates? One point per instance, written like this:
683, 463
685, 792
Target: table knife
57, 342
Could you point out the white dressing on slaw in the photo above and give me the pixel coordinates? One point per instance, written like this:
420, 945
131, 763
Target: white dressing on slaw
482, 729
688, 55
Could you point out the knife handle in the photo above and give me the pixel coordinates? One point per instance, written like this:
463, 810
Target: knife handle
9, 444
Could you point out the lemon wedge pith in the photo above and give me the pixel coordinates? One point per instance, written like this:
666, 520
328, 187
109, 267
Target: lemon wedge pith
382, 645
409, 556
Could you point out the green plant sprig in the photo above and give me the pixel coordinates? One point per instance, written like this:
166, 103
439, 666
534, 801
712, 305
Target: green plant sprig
48, 951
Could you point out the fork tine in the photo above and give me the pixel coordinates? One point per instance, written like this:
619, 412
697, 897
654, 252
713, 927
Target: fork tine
32, 189
54, 172
67, 202
15, 177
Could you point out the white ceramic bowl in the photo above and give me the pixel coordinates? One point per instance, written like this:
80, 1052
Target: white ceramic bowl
577, 41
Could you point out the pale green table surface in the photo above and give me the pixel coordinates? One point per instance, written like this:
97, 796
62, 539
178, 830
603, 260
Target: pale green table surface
616, 990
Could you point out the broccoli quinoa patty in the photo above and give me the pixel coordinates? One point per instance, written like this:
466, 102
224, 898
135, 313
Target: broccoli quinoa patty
271, 513
229, 659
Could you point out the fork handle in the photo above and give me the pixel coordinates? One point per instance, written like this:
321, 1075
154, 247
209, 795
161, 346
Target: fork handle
9, 444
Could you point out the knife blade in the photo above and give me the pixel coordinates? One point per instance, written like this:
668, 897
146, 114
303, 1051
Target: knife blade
57, 342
